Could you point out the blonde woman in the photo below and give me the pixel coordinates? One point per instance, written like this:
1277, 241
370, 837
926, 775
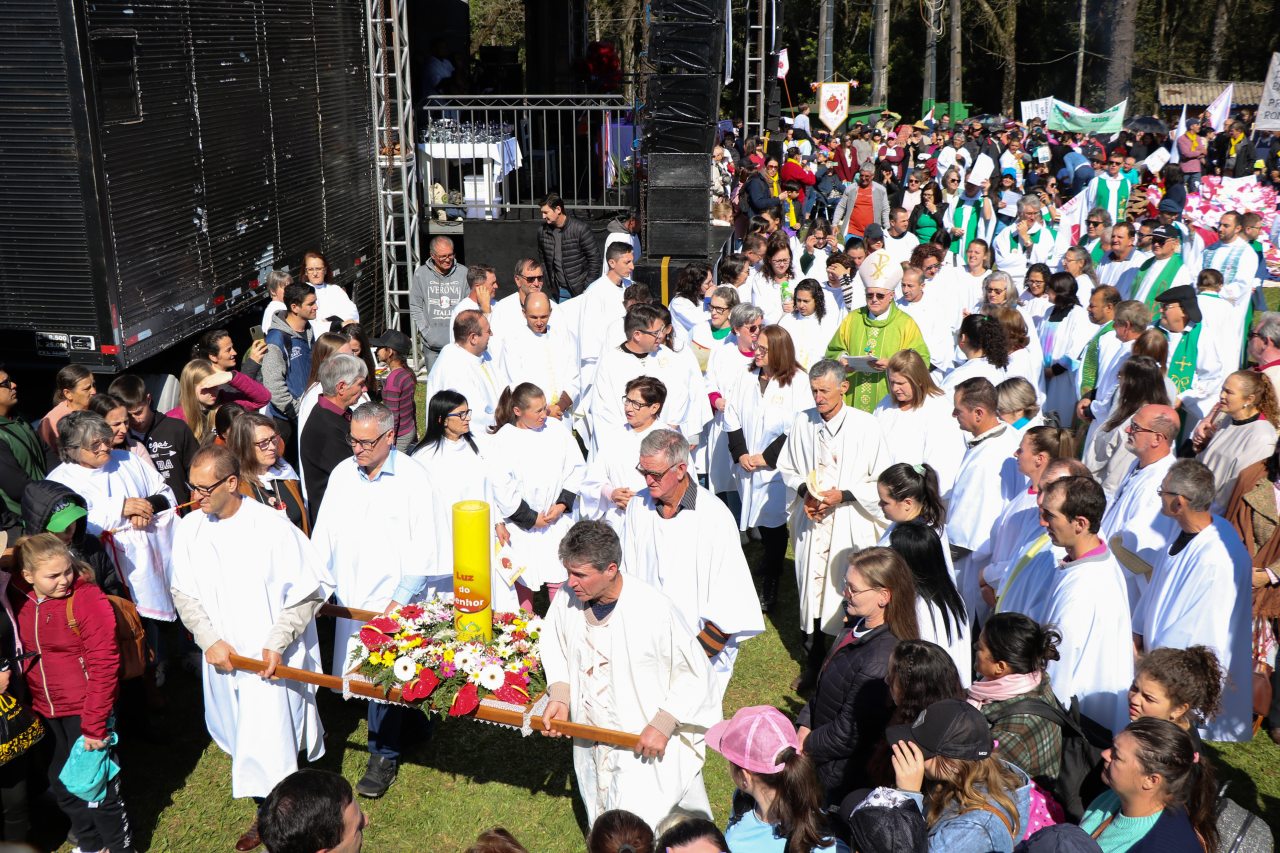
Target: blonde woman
917, 413
200, 387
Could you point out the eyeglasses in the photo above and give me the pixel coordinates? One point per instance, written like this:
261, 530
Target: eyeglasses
717, 309
628, 403
753, 328
1165, 493
533, 277
1093, 222
953, 180
1115, 163
772, 167
654, 335
447, 257
652, 475
761, 350
933, 267
876, 297
1134, 427
315, 269
366, 443
267, 443
850, 592
8, 383
464, 415
97, 446
205, 491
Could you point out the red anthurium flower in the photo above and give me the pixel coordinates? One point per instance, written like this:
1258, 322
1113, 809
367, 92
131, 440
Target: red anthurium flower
467, 700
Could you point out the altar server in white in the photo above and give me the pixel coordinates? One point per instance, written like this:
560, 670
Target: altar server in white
642, 355
127, 497
680, 538
1134, 519
987, 480
375, 529
598, 306
1064, 333
247, 582
619, 655
538, 353
1233, 256
813, 323
508, 312
762, 408
1199, 594
933, 312
462, 469
1088, 605
1028, 241
726, 362
546, 463
466, 366
917, 414
833, 456
612, 481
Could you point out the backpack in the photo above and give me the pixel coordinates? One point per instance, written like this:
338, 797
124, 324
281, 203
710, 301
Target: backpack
131, 637
1080, 775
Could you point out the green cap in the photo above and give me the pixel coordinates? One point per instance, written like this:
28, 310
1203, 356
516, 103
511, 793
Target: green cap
67, 514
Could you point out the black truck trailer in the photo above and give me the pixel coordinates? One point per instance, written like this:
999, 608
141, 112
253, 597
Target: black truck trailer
159, 157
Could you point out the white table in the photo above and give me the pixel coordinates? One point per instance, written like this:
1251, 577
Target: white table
497, 160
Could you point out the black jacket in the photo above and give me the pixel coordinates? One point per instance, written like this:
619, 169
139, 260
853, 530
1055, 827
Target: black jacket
849, 711
579, 254
322, 446
1245, 156
39, 502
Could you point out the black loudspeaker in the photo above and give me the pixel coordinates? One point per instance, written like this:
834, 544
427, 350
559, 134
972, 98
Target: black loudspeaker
711, 11
683, 97
680, 239
667, 136
679, 170
686, 47
680, 203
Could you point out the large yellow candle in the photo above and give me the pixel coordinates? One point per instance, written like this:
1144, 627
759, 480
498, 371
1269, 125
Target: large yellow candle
473, 617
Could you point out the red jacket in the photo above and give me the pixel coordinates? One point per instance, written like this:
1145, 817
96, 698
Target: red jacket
74, 675
793, 171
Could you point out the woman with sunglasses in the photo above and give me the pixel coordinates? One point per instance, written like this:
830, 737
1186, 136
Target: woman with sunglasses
264, 474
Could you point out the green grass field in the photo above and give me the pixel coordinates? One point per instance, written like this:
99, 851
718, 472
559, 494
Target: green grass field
468, 776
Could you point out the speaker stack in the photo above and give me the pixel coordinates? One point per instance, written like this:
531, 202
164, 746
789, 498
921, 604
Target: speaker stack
682, 73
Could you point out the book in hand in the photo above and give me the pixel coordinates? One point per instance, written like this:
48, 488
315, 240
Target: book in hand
860, 363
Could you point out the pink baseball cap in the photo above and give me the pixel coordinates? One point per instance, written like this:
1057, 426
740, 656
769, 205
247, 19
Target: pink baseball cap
754, 738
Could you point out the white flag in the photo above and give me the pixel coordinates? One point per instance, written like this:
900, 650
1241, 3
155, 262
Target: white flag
1181, 130
1220, 109
784, 64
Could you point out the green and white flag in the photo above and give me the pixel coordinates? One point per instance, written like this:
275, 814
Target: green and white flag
1064, 116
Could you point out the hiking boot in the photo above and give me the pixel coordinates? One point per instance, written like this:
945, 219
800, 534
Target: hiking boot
250, 840
378, 777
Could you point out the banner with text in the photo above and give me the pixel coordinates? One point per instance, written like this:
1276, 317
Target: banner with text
1076, 120
1268, 117
1039, 108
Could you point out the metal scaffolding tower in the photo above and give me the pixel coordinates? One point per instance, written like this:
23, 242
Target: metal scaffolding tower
392, 106
757, 46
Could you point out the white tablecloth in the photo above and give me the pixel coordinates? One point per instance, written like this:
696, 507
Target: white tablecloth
505, 155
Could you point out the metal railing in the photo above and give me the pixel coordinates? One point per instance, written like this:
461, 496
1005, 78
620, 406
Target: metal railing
486, 156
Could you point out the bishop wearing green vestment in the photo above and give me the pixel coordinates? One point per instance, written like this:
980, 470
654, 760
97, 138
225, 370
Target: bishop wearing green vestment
875, 332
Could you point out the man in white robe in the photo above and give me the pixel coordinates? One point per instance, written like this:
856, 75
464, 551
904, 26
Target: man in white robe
507, 316
1235, 259
832, 459
246, 581
374, 531
601, 305
642, 355
1088, 606
899, 242
933, 313
1131, 319
1165, 268
535, 352
1110, 190
619, 655
1134, 519
1221, 319
679, 538
1028, 241
1121, 263
988, 479
466, 366
1199, 594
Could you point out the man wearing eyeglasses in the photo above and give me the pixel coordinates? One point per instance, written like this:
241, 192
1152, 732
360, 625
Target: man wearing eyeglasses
1096, 223
323, 442
1109, 191
375, 534
437, 286
1165, 268
245, 581
508, 313
1198, 594
1133, 519
868, 336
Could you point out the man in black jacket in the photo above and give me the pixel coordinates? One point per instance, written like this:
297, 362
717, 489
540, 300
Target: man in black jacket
326, 437
1232, 154
570, 253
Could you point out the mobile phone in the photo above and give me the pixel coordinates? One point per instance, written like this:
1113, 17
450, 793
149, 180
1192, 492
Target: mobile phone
256, 333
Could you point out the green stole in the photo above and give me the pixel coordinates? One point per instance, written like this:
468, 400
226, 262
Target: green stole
970, 228
1162, 282
1104, 197
1014, 245
1096, 252
26, 450
1089, 370
1182, 361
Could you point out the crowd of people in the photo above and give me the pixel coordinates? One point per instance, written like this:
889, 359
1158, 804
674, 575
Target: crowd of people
1029, 478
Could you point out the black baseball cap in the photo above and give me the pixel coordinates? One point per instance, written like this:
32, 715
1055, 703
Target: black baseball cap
950, 728
873, 232
1165, 232
393, 339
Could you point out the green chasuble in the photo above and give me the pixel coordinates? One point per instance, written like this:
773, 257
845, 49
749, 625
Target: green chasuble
862, 336
1103, 199
1182, 361
1089, 368
1162, 282
27, 451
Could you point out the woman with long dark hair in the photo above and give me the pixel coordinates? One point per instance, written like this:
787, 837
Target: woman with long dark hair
1064, 333
912, 493
940, 612
73, 389
986, 349
691, 304
930, 215
810, 325
264, 474
1036, 296
840, 726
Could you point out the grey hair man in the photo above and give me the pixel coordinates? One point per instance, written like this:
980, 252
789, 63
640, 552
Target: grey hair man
1264, 346
831, 461
658, 681
324, 438
1029, 241
437, 287
1194, 598
680, 538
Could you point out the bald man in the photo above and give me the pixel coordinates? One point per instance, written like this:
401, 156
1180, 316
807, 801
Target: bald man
538, 353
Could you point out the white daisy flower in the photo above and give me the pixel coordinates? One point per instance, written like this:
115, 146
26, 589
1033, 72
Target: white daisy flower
464, 659
491, 677
405, 668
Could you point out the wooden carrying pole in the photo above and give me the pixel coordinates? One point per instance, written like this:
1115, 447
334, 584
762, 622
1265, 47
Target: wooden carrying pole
488, 713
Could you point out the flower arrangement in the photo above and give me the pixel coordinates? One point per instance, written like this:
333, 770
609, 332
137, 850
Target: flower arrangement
417, 649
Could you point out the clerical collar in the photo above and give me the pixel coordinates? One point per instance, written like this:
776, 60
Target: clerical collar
688, 500
998, 429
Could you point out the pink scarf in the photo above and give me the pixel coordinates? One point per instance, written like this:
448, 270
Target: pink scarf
983, 692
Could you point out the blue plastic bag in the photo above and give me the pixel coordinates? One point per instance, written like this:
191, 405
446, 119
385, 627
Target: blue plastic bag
87, 772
